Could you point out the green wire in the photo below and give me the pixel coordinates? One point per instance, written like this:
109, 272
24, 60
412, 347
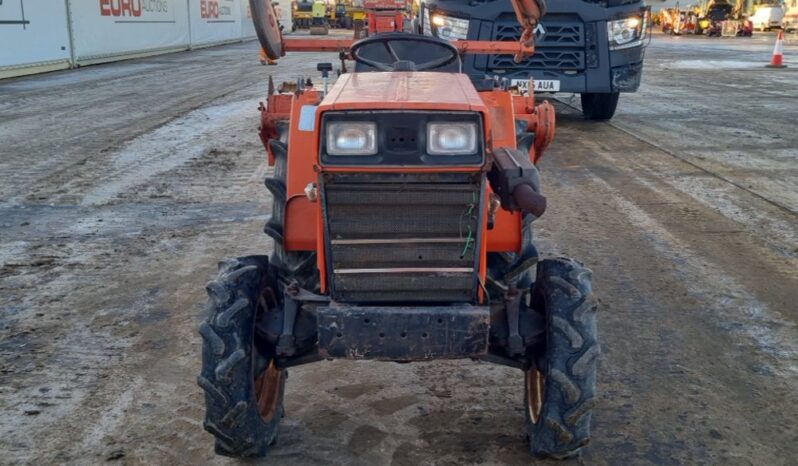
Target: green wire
468, 213
467, 243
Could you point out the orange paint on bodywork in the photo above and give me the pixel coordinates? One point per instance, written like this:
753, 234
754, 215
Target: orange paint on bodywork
502, 116
302, 148
539, 119
424, 90
300, 233
506, 233
400, 91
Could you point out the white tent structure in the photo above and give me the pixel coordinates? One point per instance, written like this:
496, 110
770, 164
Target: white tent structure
39, 36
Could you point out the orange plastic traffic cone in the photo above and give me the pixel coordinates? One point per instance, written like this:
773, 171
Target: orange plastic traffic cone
777, 61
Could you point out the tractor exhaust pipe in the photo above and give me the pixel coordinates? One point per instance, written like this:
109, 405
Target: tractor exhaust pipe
528, 200
517, 182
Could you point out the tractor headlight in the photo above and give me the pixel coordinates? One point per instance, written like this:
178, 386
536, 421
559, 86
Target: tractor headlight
352, 138
456, 138
445, 27
627, 32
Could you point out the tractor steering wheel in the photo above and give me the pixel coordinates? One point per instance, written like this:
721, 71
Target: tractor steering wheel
401, 51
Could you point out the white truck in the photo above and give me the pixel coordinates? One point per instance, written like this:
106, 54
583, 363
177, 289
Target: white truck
791, 15
768, 17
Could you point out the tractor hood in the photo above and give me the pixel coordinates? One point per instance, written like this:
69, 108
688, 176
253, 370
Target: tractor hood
403, 91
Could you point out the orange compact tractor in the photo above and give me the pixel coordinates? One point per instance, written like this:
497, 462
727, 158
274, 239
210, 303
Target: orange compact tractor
402, 205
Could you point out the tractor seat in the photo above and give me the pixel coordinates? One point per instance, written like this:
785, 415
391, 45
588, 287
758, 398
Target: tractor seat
404, 51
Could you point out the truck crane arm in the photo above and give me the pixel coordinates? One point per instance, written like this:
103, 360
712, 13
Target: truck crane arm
528, 13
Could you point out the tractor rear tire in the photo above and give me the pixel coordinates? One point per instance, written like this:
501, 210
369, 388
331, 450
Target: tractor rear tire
560, 388
599, 106
243, 387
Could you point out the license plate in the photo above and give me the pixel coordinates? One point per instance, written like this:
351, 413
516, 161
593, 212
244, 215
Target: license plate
541, 85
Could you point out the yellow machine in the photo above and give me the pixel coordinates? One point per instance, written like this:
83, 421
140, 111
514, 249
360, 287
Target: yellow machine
342, 14
319, 25
303, 14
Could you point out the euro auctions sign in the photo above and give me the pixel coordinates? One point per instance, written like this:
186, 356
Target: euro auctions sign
216, 9
138, 10
213, 9
215, 21
109, 29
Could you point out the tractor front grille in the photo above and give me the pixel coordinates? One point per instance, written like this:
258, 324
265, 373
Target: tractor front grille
557, 34
553, 60
402, 238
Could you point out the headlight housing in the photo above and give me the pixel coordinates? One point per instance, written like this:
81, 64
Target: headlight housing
627, 32
445, 27
352, 138
451, 138
401, 138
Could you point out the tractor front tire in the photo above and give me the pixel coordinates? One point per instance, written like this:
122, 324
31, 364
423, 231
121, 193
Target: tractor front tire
560, 388
293, 265
243, 387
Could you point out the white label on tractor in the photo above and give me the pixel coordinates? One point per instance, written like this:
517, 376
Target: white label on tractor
541, 85
307, 118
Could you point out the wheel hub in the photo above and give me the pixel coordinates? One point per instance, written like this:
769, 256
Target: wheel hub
535, 386
267, 391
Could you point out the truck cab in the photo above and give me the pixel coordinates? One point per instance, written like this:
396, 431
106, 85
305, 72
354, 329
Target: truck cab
594, 48
767, 17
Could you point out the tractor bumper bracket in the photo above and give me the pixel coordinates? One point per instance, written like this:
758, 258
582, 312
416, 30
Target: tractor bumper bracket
394, 333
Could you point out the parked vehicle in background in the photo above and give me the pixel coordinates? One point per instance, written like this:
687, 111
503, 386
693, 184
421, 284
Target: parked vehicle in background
285, 14
710, 16
673, 21
591, 47
790, 21
767, 18
302, 14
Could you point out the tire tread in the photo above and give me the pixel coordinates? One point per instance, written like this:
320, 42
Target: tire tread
563, 287
232, 415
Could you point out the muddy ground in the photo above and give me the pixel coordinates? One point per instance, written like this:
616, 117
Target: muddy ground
122, 185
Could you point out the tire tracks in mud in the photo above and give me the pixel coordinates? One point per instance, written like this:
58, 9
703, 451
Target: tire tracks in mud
99, 296
686, 160
693, 358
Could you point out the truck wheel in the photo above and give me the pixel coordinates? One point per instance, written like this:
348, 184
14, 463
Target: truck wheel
299, 266
243, 387
599, 106
560, 388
